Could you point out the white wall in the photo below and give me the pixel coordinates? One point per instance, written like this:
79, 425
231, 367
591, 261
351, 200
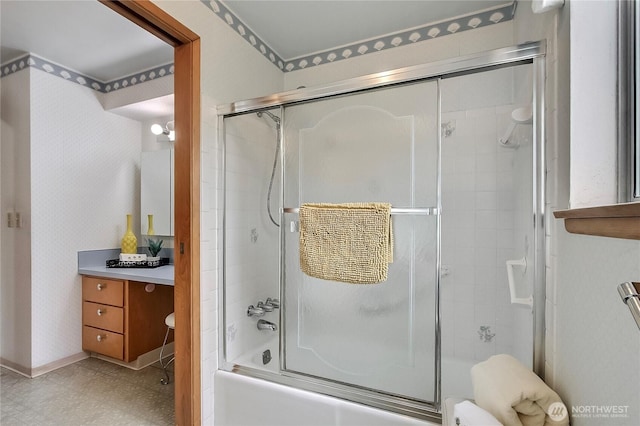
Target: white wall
78, 177
15, 287
591, 333
594, 70
84, 180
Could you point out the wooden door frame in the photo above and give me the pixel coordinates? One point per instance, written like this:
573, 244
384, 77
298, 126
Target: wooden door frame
187, 197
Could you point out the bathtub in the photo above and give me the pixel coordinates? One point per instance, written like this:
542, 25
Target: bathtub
276, 404
245, 401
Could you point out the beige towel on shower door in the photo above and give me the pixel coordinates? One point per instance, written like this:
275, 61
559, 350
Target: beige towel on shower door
351, 242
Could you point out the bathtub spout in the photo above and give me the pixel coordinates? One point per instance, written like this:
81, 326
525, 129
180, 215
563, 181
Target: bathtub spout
266, 325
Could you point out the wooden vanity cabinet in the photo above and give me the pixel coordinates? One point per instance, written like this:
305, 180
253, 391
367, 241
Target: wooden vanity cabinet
121, 319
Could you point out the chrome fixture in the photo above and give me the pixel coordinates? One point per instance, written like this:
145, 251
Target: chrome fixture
276, 120
270, 114
630, 294
253, 311
266, 357
168, 130
267, 325
522, 115
264, 306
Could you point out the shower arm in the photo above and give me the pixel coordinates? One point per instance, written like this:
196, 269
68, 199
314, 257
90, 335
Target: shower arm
505, 139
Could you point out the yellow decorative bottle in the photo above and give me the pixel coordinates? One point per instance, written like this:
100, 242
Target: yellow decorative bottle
129, 243
150, 231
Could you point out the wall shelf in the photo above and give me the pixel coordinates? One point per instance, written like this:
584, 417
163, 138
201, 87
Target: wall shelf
617, 221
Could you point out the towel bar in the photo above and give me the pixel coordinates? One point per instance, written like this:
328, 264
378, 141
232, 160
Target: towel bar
630, 295
426, 211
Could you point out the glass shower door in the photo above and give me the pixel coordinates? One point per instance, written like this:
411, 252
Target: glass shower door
379, 146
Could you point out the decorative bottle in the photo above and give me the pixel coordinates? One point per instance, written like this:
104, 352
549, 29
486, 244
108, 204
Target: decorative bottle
150, 231
129, 244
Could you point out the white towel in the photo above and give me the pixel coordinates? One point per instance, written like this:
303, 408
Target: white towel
466, 413
515, 395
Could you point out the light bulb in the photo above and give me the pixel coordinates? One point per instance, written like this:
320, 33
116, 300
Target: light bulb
157, 129
172, 135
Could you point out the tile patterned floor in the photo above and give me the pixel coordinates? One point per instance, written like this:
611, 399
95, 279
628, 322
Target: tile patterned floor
88, 392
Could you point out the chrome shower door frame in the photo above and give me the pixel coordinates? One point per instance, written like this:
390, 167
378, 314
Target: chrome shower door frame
532, 53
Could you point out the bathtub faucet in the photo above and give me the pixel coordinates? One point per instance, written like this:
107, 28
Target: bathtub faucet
266, 325
255, 311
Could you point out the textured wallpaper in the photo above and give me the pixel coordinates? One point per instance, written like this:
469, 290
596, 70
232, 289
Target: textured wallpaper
84, 180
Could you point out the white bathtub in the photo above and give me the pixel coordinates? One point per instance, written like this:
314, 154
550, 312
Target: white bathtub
245, 401
275, 404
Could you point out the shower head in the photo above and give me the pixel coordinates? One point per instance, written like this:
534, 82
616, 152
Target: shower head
522, 115
270, 115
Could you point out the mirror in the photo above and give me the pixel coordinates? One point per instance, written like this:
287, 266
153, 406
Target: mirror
156, 192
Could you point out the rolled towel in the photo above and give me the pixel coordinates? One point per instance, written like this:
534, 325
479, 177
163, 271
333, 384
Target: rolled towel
466, 413
515, 395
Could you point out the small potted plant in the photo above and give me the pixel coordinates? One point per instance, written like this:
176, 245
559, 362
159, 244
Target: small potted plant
154, 248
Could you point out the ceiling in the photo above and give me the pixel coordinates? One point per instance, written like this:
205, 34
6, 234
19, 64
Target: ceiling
103, 45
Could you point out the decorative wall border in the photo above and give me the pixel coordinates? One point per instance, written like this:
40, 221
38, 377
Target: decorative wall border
427, 32
31, 60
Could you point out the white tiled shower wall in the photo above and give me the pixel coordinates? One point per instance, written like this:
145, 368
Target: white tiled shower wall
485, 188
252, 240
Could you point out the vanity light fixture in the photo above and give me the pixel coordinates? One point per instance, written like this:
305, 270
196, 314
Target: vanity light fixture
168, 130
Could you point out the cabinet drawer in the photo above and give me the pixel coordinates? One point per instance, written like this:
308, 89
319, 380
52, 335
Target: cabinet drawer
103, 316
103, 342
103, 290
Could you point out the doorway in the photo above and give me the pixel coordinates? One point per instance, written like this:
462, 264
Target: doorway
187, 197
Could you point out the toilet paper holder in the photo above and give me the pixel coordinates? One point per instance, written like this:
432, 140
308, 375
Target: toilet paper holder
511, 264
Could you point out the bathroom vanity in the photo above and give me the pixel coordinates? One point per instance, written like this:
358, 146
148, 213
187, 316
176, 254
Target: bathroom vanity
124, 309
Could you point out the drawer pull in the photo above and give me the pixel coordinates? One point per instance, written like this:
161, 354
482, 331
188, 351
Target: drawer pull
101, 312
100, 337
100, 286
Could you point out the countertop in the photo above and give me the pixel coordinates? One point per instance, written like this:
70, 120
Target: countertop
93, 262
160, 275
